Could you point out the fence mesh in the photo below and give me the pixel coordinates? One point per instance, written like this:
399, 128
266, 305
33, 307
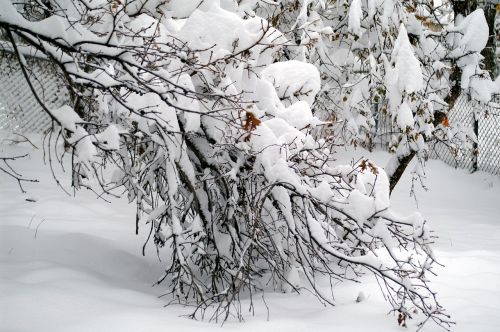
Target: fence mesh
489, 138
473, 117
462, 115
19, 109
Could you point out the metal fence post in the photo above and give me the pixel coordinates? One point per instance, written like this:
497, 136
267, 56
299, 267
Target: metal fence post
475, 145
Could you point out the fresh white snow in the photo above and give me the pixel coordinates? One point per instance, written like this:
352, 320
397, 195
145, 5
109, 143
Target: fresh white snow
75, 264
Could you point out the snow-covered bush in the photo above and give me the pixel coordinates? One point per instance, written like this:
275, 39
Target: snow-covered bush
196, 114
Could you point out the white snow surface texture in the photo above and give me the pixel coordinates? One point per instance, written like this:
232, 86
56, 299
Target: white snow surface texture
74, 264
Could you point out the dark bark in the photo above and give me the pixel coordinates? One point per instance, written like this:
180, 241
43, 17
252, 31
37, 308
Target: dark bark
475, 146
398, 173
489, 51
405, 161
464, 7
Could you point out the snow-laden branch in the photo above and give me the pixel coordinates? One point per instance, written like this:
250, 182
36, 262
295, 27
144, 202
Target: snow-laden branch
207, 126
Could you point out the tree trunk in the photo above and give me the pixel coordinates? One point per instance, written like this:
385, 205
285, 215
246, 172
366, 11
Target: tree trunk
400, 169
463, 7
489, 53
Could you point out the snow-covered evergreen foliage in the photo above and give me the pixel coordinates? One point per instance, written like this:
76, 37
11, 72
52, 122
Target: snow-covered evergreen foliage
205, 115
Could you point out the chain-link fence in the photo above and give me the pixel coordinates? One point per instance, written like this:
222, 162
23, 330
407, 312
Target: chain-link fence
482, 120
489, 137
19, 109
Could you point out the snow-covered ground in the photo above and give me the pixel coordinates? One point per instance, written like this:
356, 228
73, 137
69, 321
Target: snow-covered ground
75, 264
